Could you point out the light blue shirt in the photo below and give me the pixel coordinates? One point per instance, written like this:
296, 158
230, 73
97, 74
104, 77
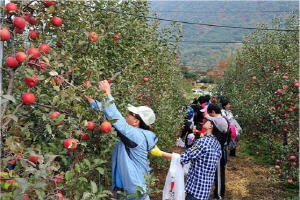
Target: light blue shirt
130, 155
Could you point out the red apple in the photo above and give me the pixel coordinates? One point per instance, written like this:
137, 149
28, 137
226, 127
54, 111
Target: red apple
296, 84
285, 87
28, 98
246, 101
279, 91
19, 22
93, 37
60, 196
146, 79
33, 34
87, 83
116, 37
33, 158
21, 56
27, 16
290, 181
254, 78
277, 167
109, 80
84, 136
91, 125
48, 3
25, 197
54, 115
106, 127
11, 8
294, 164
4, 34
11, 62
70, 143
277, 161
34, 52
31, 81
41, 65
19, 30
292, 158
59, 178
32, 21
56, 21
44, 48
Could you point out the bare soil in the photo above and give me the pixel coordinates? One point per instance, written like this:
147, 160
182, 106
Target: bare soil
245, 180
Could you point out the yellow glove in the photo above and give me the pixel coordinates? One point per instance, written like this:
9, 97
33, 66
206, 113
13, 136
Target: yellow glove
156, 151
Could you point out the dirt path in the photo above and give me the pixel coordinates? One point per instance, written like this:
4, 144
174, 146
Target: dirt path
245, 180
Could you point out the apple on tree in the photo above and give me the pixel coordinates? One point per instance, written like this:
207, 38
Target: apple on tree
33, 52
91, 125
87, 84
105, 127
21, 56
33, 34
11, 62
84, 136
48, 3
146, 79
54, 118
93, 37
19, 22
11, 8
44, 48
4, 34
33, 158
31, 81
28, 98
32, 21
56, 21
58, 178
116, 37
70, 143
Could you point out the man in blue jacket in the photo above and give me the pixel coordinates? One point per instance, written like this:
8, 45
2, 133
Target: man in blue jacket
130, 156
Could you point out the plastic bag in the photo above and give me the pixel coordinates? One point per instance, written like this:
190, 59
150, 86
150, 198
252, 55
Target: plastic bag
179, 143
174, 184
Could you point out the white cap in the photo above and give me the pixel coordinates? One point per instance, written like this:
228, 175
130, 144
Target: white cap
144, 112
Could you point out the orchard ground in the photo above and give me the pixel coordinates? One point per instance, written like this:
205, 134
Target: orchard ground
245, 180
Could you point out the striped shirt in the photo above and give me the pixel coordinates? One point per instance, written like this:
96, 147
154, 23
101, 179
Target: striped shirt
203, 156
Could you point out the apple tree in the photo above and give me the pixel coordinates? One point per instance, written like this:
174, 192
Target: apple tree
262, 82
55, 53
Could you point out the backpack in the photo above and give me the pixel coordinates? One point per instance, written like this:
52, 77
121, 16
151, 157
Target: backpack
231, 135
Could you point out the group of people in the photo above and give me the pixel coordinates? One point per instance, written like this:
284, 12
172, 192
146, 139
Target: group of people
207, 153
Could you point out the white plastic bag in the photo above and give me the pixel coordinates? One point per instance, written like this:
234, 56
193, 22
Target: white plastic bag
174, 184
179, 143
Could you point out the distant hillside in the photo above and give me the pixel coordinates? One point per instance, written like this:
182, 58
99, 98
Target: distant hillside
204, 46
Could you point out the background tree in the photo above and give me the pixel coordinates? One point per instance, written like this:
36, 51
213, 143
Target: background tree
262, 82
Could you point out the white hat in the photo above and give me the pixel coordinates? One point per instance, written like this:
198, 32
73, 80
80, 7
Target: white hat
144, 112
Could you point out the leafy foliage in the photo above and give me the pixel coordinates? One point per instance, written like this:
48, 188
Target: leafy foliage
262, 82
128, 49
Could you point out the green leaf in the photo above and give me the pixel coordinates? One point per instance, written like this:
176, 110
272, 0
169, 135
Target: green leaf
10, 98
68, 175
94, 187
40, 185
41, 194
13, 117
100, 170
49, 129
82, 179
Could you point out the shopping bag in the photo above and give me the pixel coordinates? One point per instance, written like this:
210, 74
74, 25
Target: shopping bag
174, 184
179, 143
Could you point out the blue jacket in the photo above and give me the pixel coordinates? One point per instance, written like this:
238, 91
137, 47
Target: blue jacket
131, 152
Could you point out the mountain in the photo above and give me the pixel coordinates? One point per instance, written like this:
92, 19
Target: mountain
214, 29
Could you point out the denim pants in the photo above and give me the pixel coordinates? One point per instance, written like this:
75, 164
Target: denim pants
190, 197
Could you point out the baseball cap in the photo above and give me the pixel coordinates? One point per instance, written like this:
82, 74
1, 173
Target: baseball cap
204, 109
144, 112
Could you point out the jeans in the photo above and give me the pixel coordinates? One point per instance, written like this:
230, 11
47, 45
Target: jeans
190, 197
219, 192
